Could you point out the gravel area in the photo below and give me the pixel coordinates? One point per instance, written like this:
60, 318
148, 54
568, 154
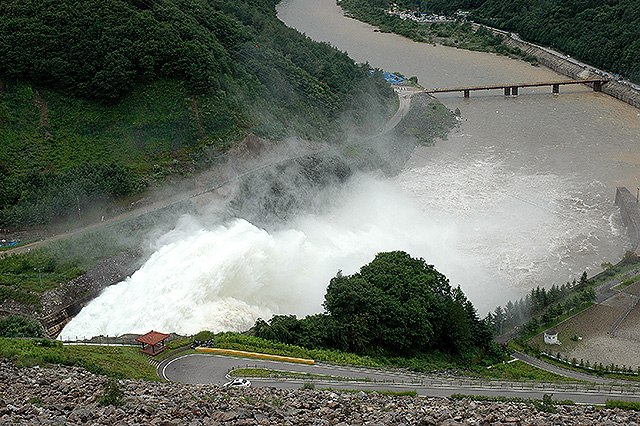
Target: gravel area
607, 350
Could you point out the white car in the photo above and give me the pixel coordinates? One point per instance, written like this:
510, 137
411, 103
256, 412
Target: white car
239, 383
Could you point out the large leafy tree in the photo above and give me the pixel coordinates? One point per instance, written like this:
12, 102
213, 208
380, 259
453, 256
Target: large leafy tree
395, 305
404, 305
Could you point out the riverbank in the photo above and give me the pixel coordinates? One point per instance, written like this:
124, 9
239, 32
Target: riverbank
568, 68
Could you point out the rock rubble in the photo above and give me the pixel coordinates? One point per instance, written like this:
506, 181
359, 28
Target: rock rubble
70, 395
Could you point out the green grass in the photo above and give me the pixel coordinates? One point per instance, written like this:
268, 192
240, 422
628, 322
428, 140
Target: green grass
242, 342
510, 399
112, 361
625, 405
518, 370
626, 283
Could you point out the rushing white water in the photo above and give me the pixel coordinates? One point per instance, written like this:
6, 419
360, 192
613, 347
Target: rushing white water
225, 277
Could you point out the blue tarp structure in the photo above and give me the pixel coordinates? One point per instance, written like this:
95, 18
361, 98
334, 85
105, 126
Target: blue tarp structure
390, 78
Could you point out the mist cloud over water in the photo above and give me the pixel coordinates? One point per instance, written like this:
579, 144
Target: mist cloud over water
224, 277
493, 231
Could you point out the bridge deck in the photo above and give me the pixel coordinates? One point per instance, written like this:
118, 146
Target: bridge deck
508, 85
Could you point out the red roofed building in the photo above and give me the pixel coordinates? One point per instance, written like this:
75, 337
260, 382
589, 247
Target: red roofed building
152, 342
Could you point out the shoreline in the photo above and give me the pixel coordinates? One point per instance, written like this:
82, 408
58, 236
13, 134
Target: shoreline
568, 68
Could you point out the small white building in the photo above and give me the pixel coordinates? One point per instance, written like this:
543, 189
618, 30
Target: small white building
551, 337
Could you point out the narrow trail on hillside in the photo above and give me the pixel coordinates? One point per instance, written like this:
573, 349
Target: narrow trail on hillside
404, 97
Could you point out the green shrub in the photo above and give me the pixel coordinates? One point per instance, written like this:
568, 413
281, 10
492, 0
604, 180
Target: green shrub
17, 326
179, 343
112, 395
204, 336
625, 405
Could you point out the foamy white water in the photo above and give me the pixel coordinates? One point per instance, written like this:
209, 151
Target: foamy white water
224, 278
494, 232
520, 195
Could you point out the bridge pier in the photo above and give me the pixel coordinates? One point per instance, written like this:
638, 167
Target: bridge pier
465, 93
556, 89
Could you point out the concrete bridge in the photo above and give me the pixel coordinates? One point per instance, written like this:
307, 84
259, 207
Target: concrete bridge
511, 89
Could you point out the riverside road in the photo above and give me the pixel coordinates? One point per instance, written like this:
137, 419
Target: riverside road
215, 369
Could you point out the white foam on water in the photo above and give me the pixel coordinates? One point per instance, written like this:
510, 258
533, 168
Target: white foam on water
495, 232
524, 229
225, 277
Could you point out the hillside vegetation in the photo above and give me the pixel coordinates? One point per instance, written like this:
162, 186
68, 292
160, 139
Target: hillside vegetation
149, 88
603, 34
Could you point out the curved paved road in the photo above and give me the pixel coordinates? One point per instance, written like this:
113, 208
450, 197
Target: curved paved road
214, 369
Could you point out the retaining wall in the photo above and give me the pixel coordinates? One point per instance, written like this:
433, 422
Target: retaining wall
630, 210
565, 67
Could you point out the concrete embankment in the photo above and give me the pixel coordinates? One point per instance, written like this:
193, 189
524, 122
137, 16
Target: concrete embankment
630, 210
570, 69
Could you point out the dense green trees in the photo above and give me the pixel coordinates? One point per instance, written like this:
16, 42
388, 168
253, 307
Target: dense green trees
151, 83
604, 34
395, 305
35, 197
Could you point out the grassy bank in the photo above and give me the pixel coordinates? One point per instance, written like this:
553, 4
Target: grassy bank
454, 33
113, 361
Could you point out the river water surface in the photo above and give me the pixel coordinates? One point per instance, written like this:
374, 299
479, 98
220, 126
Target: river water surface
525, 186
520, 195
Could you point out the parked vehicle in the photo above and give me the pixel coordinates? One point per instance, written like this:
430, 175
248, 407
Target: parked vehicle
238, 383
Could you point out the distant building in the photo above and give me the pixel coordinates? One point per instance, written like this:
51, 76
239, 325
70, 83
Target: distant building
551, 337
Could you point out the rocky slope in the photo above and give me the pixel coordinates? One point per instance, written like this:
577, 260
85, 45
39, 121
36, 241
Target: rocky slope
69, 395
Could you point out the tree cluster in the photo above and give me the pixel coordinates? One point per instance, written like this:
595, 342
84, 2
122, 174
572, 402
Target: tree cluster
35, 198
540, 307
396, 305
81, 81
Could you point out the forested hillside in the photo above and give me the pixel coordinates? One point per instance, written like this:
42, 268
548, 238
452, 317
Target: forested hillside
145, 87
605, 34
